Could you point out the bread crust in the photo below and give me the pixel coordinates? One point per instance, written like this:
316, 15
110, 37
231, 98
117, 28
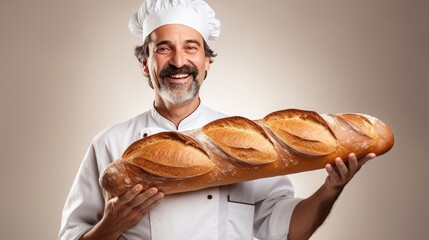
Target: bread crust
236, 149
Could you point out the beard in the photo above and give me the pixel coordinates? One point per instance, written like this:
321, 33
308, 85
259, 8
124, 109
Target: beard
178, 93
174, 92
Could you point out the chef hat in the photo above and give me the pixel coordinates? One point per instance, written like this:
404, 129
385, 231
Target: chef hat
196, 14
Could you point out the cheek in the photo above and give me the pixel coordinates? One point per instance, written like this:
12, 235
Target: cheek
201, 62
154, 67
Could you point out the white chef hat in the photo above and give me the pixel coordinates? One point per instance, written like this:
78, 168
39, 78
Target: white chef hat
196, 14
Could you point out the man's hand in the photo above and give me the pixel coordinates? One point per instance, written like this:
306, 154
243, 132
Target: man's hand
124, 212
341, 173
127, 210
310, 213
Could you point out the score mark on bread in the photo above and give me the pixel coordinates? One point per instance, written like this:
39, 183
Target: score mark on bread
170, 155
360, 124
242, 139
303, 131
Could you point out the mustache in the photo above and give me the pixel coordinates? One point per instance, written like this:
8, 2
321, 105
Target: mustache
171, 69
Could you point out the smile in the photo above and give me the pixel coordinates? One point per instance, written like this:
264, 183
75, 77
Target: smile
179, 75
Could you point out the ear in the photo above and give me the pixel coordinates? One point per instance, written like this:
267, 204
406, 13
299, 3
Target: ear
207, 63
145, 68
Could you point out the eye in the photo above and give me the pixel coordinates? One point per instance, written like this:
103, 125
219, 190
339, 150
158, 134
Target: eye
191, 49
163, 50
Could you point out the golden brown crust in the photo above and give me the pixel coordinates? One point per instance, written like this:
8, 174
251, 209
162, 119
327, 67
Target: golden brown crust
170, 155
242, 139
361, 124
303, 131
236, 149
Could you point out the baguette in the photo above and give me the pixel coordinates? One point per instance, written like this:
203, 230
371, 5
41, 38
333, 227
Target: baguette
236, 149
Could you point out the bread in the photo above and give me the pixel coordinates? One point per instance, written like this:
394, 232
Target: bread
235, 149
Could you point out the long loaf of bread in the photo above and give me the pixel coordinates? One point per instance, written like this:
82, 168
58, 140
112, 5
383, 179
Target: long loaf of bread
236, 149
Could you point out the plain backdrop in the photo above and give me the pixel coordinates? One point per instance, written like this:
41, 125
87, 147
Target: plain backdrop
67, 72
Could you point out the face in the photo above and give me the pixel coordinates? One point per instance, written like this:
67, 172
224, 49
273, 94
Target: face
177, 63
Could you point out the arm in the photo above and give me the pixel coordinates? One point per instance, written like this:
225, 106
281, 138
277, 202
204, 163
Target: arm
310, 213
87, 201
124, 212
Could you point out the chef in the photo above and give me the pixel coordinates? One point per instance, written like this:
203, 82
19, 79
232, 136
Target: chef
175, 57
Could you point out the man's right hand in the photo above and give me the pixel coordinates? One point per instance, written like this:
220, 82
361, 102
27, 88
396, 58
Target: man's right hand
124, 212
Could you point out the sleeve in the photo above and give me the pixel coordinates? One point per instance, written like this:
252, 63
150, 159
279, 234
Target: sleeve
274, 206
84, 205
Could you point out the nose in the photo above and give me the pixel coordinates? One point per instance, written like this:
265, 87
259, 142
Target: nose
178, 59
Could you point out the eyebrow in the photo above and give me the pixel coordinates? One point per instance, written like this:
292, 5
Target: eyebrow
193, 41
167, 42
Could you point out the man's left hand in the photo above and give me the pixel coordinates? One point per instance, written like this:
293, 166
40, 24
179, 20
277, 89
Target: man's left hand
341, 173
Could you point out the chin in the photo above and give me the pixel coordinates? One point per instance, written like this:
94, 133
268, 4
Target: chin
176, 97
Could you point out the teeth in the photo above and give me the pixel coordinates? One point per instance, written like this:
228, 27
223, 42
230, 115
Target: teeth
182, 75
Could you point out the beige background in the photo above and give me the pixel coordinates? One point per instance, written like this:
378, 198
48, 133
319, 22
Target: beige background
68, 72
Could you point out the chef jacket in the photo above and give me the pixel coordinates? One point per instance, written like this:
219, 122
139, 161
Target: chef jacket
260, 208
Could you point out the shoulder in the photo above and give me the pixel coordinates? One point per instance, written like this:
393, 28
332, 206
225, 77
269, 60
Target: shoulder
121, 134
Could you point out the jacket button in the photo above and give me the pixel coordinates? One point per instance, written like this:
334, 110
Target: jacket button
209, 196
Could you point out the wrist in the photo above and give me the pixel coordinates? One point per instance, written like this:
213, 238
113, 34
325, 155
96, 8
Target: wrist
332, 190
101, 231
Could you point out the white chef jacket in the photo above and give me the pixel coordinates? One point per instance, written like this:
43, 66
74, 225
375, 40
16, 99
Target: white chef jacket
260, 208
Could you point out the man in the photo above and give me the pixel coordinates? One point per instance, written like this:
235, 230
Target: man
175, 57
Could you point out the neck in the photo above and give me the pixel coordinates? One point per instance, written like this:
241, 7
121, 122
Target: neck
176, 112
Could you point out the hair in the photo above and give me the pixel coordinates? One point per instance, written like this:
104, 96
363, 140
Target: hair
142, 52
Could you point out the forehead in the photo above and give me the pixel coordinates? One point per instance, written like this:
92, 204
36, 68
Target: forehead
175, 33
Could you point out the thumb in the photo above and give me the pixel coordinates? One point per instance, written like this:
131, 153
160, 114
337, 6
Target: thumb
107, 196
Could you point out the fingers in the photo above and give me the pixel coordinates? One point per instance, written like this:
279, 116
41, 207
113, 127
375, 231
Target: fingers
150, 203
332, 173
141, 201
353, 163
340, 173
127, 210
365, 159
341, 170
146, 198
346, 170
130, 195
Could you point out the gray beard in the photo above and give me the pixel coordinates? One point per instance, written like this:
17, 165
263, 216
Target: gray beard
166, 91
